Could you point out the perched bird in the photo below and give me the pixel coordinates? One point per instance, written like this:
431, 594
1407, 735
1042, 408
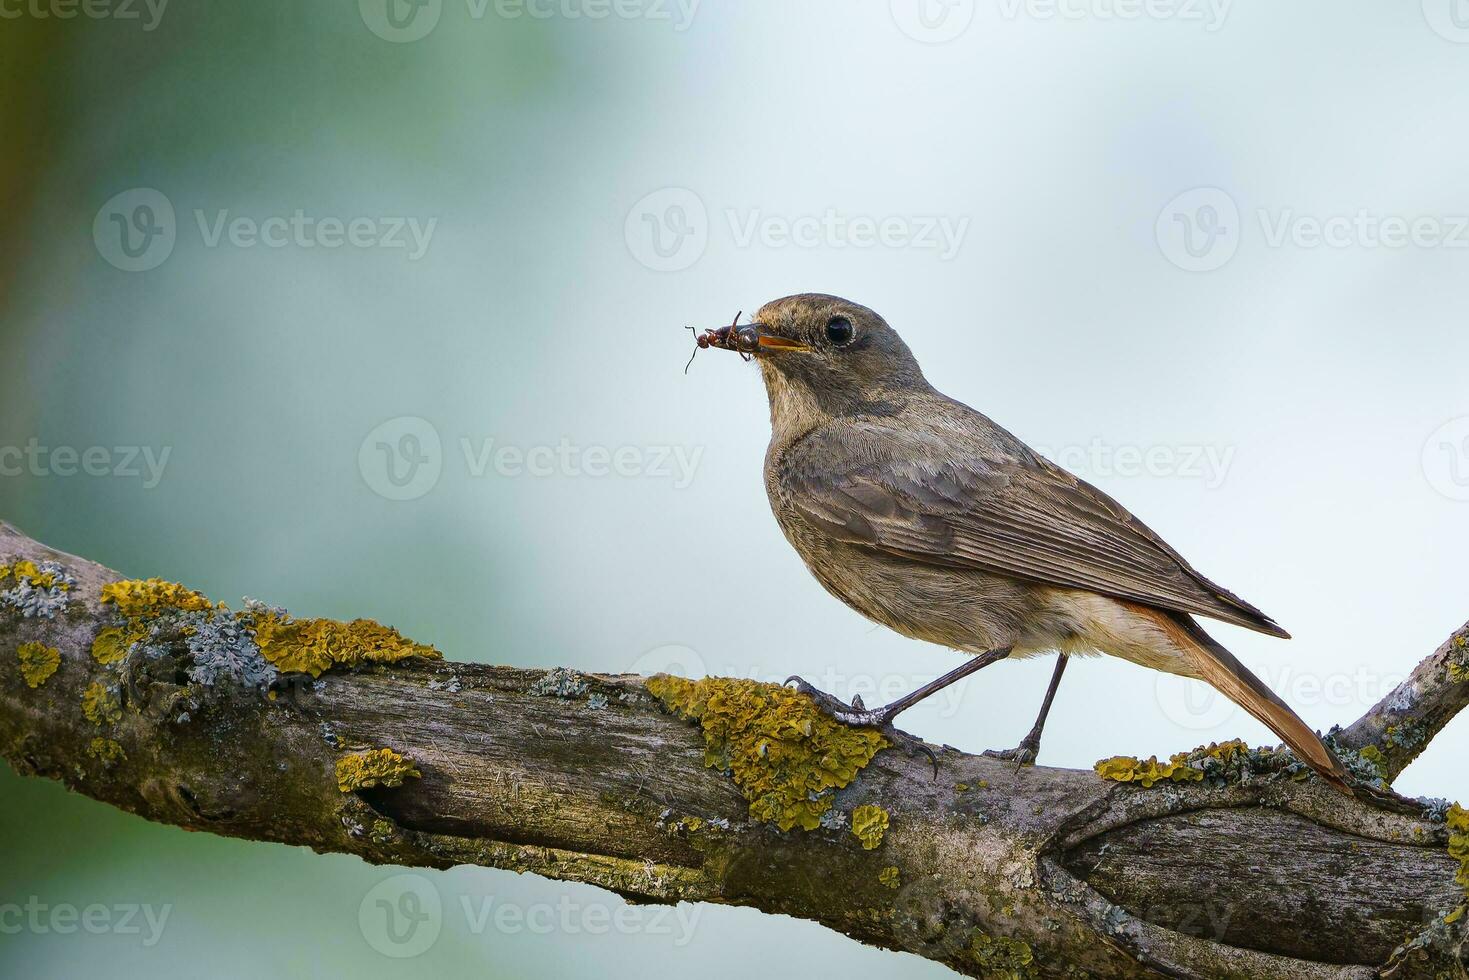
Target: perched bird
927, 517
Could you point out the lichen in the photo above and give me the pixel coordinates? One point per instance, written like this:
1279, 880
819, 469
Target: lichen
889, 877
1001, 958
869, 823
314, 646
1219, 763
37, 591
784, 754
223, 650
559, 682
1458, 825
112, 644
143, 598
107, 751
378, 767
37, 663
100, 705
1126, 769
1459, 660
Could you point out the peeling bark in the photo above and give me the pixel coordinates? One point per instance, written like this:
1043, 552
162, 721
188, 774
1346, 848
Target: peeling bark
1041, 873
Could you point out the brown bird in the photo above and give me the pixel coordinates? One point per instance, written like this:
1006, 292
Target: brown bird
927, 517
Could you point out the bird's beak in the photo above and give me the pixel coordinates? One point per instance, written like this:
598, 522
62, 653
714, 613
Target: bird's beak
752, 338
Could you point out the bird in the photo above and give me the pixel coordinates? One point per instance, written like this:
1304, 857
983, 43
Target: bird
927, 517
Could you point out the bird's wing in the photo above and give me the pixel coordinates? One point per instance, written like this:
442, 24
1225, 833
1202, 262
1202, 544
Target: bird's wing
1018, 516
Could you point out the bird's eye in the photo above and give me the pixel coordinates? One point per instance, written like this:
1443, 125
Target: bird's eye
839, 331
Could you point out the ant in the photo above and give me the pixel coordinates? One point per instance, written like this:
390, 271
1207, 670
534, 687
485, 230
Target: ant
742, 342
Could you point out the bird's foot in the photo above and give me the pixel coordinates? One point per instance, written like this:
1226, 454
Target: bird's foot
1022, 755
858, 715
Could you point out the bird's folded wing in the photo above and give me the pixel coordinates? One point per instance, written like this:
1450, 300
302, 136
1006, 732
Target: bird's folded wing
1022, 517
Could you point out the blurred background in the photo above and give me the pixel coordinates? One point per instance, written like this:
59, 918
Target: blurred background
376, 309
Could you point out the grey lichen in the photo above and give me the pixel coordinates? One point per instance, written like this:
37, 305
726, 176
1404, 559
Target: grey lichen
224, 650
597, 702
37, 591
559, 683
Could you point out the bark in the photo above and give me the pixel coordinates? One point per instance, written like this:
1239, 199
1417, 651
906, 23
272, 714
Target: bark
1037, 873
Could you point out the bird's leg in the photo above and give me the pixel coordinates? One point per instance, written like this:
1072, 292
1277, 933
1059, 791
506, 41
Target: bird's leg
1025, 753
859, 716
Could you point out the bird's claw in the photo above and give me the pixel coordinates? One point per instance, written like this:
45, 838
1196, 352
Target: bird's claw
857, 715
1022, 755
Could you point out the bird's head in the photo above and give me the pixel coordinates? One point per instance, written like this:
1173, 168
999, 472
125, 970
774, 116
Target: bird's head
823, 356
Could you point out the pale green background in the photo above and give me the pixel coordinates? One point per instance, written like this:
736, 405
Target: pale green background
1324, 371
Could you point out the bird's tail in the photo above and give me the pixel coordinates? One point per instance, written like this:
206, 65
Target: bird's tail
1222, 669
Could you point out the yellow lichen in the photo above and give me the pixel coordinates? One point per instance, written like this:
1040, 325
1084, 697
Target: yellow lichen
1000, 958
1458, 821
140, 598
889, 877
378, 767
782, 751
100, 705
313, 646
1126, 769
37, 663
869, 823
26, 571
106, 750
113, 643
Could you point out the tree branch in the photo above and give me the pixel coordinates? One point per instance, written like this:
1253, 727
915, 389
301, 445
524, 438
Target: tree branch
1040, 873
